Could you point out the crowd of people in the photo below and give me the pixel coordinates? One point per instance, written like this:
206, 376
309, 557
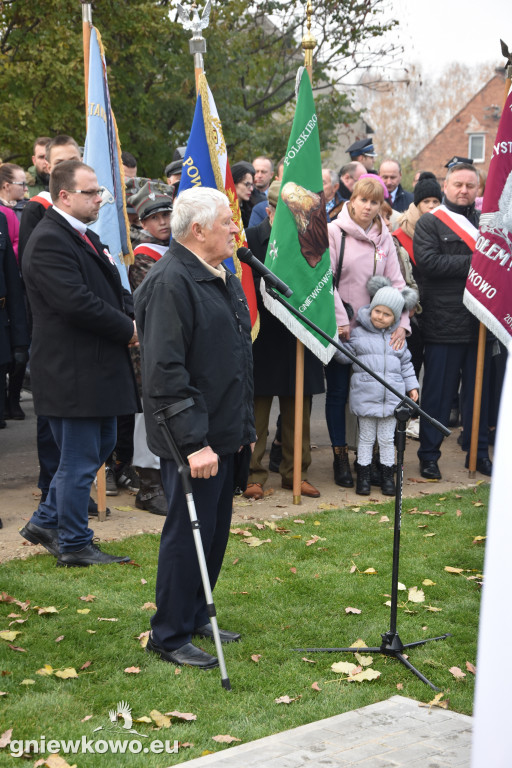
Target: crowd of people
102, 360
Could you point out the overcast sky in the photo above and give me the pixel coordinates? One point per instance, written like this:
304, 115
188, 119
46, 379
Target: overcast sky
437, 32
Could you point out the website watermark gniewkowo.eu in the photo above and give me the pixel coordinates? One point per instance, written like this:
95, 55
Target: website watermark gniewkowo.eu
92, 745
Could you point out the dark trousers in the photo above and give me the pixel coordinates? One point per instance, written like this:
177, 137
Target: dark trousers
444, 364
179, 592
48, 454
84, 444
337, 378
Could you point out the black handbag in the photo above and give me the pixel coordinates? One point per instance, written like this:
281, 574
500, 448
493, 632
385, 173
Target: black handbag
349, 309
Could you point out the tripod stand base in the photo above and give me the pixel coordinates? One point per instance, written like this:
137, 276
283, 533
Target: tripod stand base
391, 646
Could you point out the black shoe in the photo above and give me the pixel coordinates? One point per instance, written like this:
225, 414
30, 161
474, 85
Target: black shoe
152, 500
187, 654
2, 424
92, 509
430, 469
388, 486
363, 485
225, 636
483, 465
89, 555
110, 482
127, 477
275, 456
341, 467
48, 537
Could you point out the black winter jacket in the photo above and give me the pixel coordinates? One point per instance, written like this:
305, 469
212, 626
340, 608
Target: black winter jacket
443, 262
195, 342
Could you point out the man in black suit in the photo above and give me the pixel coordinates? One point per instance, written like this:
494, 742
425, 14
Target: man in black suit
81, 372
391, 174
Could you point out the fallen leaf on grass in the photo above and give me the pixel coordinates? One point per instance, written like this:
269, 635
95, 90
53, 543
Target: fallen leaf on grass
132, 670
471, 667
432, 608
66, 674
384, 519
28, 681
182, 715
416, 595
313, 540
5, 738
253, 541
45, 671
143, 719
185, 744
46, 611
286, 699
293, 570
359, 644
84, 719
399, 686
226, 739
371, 512
300, 522
83, 611
3, 693
367, 674
161, 720
352, 610
401, 586
449, 569
316, 687
101, 619
428, 583
363, 661
458, 513
126, 509
310, 661
91, 631
17, 621
256, 657
88, 598
59, 638
479, 539
17, 648
370, 571
344, 667
9, 635
457, 673
148, 607
477, 503
143, 638
240, 532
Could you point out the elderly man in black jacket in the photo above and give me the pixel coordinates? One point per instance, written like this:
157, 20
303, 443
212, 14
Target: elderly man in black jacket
81, 371
443, 246
195, 338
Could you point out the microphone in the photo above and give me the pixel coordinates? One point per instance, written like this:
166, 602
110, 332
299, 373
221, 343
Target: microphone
245, 255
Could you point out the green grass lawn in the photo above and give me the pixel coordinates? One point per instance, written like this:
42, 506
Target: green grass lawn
281, 595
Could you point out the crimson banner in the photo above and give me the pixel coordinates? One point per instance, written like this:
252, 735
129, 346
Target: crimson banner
489, 285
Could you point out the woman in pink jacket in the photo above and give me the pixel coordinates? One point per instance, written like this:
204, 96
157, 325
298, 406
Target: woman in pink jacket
360, 240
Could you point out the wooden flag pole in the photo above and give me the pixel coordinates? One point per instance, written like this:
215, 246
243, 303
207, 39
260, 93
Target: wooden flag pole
101, 486
308, 44
482, 332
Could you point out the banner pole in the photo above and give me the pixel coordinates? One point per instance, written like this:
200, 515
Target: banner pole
482, 332
308, 44
101, 486
86, 36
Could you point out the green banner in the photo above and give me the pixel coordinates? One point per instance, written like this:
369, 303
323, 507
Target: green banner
298, 250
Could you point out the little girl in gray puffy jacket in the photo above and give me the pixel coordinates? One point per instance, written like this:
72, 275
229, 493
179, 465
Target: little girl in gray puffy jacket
369, 399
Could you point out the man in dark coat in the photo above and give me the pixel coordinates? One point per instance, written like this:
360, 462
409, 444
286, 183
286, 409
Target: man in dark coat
14, 338
391, 174
449, 330
195, 339
274, 357
81, 371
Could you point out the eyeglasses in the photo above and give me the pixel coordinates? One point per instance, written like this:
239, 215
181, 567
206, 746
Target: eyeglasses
248, 184
89, 192
20, 183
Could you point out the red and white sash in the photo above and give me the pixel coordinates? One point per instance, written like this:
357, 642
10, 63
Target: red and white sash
458, 224
153, 250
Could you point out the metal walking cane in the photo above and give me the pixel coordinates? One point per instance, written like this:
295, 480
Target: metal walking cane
184, 472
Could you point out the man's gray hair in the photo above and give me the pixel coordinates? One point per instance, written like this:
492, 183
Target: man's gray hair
334, 176
196, 205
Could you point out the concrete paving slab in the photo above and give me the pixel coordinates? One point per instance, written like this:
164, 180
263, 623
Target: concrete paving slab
396, 733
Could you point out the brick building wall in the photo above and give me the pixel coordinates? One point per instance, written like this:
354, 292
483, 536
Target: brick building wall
479, 117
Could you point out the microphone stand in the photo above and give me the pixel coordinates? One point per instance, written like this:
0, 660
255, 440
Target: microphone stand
391, 643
